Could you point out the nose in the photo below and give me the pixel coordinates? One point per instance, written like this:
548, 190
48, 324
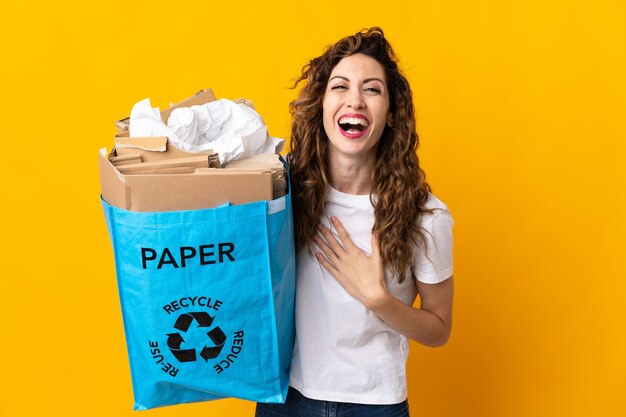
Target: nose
355, 100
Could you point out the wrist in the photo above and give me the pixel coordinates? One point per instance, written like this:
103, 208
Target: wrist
377, 299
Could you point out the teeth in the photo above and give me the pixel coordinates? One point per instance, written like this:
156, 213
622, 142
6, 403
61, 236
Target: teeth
354, 121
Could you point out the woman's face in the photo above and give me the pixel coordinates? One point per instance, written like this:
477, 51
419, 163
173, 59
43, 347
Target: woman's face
356, 106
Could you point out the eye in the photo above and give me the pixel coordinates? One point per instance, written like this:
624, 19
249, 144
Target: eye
373, 90
339, 87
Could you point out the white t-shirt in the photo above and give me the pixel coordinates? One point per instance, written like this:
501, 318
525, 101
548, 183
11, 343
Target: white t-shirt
343, 351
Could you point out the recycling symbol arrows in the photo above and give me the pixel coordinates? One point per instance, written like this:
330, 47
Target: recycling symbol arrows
183, 323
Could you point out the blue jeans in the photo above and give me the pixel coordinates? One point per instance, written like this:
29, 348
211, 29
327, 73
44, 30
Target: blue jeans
297, 405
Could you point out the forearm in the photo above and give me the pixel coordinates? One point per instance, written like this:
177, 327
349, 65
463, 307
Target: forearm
420, 325
363, 277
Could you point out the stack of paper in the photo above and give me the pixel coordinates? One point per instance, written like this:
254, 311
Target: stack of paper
169, 166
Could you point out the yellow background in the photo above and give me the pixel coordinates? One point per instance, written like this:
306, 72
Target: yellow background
521, 112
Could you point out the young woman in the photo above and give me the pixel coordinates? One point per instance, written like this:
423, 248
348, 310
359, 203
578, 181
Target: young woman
370, 236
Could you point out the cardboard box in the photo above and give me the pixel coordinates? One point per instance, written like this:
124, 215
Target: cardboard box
171, 192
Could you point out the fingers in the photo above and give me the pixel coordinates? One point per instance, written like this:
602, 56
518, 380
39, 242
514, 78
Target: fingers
328, 251
343, 234
331, 241
326, 264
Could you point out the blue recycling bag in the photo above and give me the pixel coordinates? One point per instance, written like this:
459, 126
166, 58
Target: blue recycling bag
207, 300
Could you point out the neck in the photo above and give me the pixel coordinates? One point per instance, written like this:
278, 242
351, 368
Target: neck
351, 174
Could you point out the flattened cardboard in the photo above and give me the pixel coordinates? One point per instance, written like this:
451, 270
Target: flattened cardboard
269, 162
151, 149
154, 193
126, 159
263, 161
168, 166
154, 144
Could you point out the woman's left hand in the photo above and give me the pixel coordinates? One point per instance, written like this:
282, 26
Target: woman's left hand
361, 275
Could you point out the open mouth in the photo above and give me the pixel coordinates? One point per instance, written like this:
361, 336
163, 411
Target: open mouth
353, 125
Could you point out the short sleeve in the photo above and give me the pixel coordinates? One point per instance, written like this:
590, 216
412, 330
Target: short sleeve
435, 264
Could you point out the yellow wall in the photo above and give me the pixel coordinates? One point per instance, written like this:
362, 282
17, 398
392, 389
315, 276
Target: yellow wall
521, 112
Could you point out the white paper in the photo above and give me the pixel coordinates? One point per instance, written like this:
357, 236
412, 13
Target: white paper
233, 130
145, 121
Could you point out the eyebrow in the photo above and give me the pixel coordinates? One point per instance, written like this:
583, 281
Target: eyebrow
364, 81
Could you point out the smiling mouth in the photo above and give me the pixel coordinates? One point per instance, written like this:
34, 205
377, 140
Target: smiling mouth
353, 124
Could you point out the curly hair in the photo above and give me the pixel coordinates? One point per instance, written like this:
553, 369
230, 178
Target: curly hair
399, 188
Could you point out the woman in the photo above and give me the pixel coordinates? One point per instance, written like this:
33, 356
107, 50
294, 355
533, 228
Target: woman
370, 236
